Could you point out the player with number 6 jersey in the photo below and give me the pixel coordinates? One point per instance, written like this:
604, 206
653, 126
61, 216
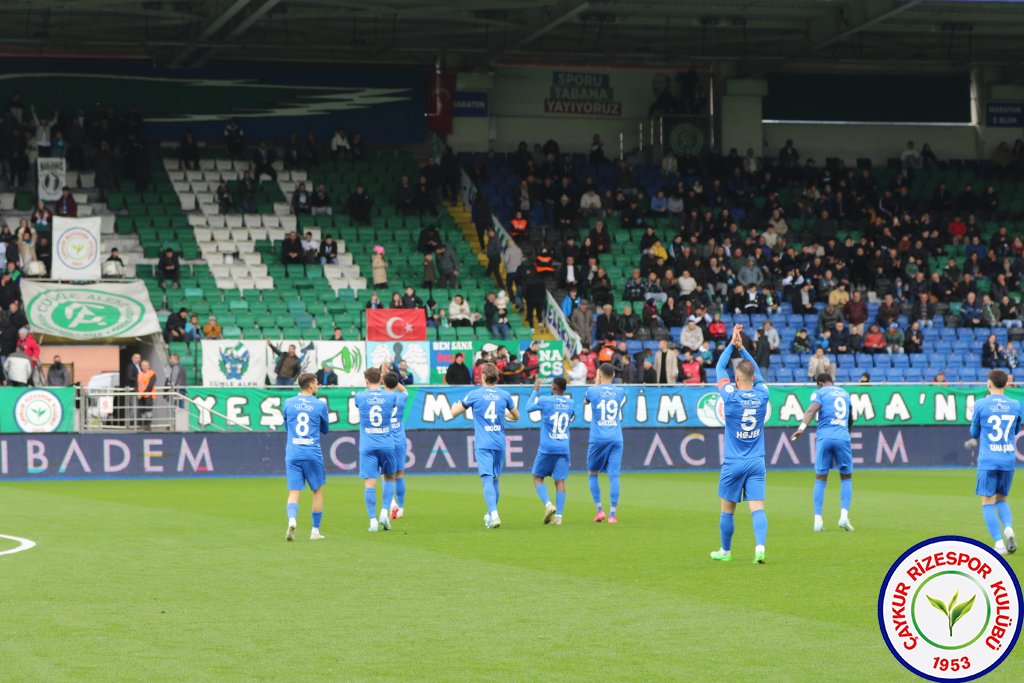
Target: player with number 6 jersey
490, 406
305, 419
556, 412
376, 446
996, 422
604, 450
832, 448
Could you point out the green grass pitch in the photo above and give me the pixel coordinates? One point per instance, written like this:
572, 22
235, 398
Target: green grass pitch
190, 580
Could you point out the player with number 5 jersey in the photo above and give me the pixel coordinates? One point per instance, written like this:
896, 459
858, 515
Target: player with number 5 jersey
490, 406
995, 424
556, 412
376, 446
604, 451
832, 448
743, 470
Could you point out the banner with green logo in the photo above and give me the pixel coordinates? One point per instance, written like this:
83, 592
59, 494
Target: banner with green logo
37, 411
100, 310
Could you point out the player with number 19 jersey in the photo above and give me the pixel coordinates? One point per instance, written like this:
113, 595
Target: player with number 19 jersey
376, 440
305, 418
604, 450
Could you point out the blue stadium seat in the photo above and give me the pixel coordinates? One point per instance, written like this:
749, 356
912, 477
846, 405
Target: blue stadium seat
901, 360
913, 375
918, 360
791, 360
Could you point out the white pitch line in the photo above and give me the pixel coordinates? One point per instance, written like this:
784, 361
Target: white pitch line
23, 544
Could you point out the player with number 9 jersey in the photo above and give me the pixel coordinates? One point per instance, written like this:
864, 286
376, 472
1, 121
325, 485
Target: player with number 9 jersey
604, 450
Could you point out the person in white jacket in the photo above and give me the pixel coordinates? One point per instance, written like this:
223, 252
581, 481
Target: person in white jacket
18, 369
459, 314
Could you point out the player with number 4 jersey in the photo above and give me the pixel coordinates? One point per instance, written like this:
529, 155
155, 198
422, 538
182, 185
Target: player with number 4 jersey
604, 451
996, 422
305, 419
376, 446
556, 412
490, 406
833, 447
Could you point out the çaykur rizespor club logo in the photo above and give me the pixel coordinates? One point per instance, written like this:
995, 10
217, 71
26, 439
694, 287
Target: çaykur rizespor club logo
77, 248
711, 410
949, 609
38, 411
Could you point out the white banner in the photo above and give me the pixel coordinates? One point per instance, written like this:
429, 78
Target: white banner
232, 363
52, 175
89, 312
76, 248
346, 359
305, 350
559, 326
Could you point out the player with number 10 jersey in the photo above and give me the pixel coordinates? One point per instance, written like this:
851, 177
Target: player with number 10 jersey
604, 451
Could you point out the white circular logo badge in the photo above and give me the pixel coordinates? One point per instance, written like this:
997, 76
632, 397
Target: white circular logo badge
38, 411
949, 609
77, 249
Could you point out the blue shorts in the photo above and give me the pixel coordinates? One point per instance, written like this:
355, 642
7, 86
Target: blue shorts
301, 472
742, 480
994, 482
399, 457
834, 453
489, 461
604, 457
552, 465
374, 463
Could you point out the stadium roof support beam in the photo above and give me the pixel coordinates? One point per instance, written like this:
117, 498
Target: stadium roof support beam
209, 32
540, 31
877, 19
242, 27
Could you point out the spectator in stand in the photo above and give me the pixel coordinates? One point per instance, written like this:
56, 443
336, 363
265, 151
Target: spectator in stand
248, 188
66, 205
855, 311
225, 202
874, 340
800, 343
263, 158
17, 368
340, 147
691, 338
576, 370
970, 312
671, 314
193, 330
772, 336
992, 353
535, 297
359, 205
396, 301
582, 321
894, 339
570, 302
328, 251
841, 341
828, 318
188, 151
234, 139
923, 310
412, 300
913, 341
57, 375
459, 313
457, 373
910, 157
379, 267
635, 287
691, 369
451, 176
405, 197
819, 364
310, 248
212, 329
607, 323
990, 313
447, 266
27, 238
629, 323
666, 364
1010, 311
288, 367
291, 249
531, 362
320, 202
888, 311
300, 200
512, 257
174, 329
169, 269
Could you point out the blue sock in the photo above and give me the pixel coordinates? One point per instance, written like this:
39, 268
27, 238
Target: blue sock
370, 495
542, 493
595, 490
387, 493
490, 496
845, 493
760, 526
819, 495
400, 492
726, 526
1005, 516
613, 491
293, 510
992, 522
317, 516
497, 493
559, 502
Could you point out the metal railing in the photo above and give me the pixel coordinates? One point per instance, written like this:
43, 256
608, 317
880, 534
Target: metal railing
162, 410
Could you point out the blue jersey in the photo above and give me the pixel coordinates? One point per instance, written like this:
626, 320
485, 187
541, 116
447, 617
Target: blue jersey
997, 419
834, 413
607, 401
488, 405
556, 412
745, 412
375, 409
305, 418
397, 413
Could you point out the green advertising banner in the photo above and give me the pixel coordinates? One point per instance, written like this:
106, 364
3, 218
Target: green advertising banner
37, 411
658, 407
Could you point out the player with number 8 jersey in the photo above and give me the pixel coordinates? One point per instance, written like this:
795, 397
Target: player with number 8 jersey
604, 450
305, 419
490, 406
376, 446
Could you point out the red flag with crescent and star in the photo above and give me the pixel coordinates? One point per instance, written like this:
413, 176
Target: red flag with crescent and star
396, 324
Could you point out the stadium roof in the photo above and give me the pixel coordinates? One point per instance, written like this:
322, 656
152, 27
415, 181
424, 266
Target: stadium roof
477, 34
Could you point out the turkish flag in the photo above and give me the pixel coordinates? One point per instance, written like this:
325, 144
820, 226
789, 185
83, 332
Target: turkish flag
440, 105
396, 324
